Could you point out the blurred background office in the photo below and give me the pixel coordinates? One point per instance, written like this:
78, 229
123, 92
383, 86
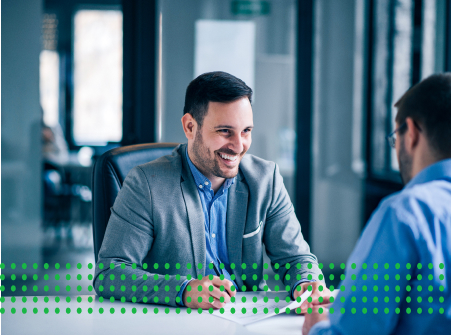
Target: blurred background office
80, 77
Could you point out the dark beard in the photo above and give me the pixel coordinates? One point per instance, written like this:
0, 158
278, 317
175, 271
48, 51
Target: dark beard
405, 163
202, 154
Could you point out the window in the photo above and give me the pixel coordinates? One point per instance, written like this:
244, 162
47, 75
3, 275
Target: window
49, 71
408, 46
97, 106
49, 85
255, 42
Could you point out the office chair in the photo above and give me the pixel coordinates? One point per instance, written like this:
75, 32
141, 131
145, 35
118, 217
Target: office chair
57, 196
108, 175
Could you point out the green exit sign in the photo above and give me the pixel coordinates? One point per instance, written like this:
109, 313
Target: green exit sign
251, 7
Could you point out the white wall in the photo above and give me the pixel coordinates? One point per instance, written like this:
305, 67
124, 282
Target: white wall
338, 144
21, 136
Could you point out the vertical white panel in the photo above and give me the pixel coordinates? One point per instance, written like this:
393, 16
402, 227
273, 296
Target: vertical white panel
429, 38
358, 106
227, 46
49, 85
337, 185
402, 59
98, 76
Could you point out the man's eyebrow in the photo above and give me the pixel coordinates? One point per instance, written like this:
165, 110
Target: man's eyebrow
230, 127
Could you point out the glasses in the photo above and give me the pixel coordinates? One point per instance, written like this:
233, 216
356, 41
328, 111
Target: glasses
392, 137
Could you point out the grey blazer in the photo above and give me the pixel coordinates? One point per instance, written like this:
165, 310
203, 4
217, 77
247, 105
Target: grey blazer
155, 237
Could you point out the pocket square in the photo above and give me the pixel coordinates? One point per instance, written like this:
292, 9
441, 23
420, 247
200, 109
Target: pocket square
255, 232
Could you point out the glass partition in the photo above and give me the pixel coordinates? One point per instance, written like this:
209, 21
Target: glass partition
255, 41
408, 46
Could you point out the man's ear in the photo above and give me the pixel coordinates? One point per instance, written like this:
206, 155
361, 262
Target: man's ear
412, 135
189, 126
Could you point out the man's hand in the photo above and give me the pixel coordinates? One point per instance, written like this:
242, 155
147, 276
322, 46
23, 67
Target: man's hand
318, 296
208, 293
314, 317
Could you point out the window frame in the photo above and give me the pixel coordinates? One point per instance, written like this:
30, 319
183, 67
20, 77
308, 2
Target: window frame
379, 184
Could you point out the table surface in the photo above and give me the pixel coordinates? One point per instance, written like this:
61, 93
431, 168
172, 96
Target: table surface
97, 323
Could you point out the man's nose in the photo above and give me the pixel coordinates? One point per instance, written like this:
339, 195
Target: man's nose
236, 143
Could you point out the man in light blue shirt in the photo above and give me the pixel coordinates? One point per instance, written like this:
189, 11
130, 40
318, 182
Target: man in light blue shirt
214, 206
218, 137
398, 278
190, 228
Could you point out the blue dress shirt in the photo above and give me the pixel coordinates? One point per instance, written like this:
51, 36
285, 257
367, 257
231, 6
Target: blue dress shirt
398, 278
214, 207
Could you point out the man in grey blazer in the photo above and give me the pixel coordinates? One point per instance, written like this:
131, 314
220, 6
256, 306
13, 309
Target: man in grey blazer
188, 229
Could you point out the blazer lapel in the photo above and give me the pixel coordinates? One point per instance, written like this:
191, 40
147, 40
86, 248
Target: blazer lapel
195, 216
236, 220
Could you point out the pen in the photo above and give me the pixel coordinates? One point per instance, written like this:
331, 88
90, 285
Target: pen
218, 274
216, 270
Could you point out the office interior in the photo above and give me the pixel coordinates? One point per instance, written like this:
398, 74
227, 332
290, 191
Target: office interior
80, 77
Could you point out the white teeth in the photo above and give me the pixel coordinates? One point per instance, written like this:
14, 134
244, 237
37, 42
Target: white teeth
230, 158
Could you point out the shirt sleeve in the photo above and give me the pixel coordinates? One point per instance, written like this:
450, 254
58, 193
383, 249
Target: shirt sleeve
377, 276
180, 294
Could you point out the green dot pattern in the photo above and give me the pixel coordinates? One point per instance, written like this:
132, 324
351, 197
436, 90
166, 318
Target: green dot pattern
113, 286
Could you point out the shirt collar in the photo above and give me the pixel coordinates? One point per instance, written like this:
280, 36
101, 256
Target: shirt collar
436, 171
201, 181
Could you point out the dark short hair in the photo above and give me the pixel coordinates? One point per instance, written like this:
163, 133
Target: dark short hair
216, 87
429, 103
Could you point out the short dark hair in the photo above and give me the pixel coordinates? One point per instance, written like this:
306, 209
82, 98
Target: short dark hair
429, 103
216, 87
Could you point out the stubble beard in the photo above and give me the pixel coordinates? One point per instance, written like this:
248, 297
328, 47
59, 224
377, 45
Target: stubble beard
207, 165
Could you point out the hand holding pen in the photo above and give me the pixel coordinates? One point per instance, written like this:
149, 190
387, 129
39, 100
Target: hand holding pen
207, 293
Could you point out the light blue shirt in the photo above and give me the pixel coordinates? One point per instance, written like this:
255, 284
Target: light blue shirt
214, 207
386, 290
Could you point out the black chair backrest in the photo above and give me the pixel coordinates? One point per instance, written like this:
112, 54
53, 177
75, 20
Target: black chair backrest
109, 173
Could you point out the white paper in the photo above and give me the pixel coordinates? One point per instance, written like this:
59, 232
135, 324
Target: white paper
251, 317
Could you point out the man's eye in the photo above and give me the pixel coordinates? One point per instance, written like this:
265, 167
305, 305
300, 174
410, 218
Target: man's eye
225, 131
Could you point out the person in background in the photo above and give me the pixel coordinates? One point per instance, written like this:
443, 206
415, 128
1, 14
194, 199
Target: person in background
54, 154
398, 278
54, 146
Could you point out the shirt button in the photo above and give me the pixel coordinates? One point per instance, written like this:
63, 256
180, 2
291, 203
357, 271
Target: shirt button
206, 183
213, 235
200, 186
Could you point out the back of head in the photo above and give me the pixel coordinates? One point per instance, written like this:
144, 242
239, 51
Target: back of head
429, 103
216, 87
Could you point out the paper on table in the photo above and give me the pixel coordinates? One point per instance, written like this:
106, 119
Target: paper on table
259, 306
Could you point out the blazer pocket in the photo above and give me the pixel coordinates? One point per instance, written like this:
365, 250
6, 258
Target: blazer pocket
255, 232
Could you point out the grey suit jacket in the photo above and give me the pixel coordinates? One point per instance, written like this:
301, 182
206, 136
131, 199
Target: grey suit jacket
155, 237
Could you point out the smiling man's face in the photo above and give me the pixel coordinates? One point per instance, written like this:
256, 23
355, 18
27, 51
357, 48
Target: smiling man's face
224, 138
